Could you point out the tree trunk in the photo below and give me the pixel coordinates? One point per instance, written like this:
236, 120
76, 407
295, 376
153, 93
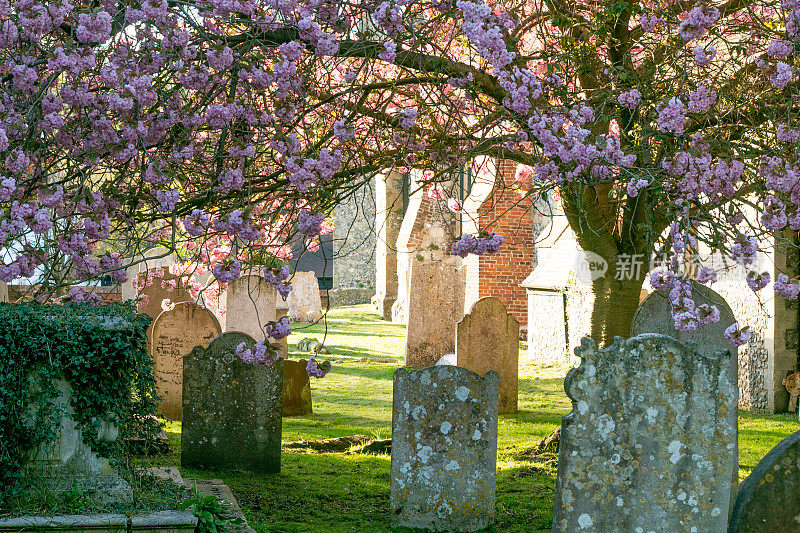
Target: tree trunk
615, 303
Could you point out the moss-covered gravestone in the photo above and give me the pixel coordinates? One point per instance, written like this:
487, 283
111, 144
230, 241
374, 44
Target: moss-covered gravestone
649, 444
231, 409
769, 499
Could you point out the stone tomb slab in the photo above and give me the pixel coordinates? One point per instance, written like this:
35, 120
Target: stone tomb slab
296, 388
488, 339
769, 499
231, 409
175, 333
444, 449
649, 443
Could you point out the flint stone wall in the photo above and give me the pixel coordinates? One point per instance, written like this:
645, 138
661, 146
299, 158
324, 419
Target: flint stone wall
649, 442
231, 409
444, 449
768, 499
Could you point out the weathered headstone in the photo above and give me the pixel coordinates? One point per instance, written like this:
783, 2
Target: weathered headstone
175, 333
305, 303
654, 315
769, 499
649, 443
3, 291
488, 339
436, 304
251, 304
296, 388
444, 449
231, 409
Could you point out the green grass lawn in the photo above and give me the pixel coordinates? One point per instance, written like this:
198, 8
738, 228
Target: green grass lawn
340, 492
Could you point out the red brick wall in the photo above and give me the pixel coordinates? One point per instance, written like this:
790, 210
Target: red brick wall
510, 215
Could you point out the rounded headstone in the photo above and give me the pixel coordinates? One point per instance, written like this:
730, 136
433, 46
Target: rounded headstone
175, 333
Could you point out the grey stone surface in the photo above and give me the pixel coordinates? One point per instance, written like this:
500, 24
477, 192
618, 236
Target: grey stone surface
354, 248
444, 449
251, 303
487, 338
3, 291
769, 499
296, 388
165, 522
100, 523
231, 409
650, 439
436, 305
304, 302
175, 332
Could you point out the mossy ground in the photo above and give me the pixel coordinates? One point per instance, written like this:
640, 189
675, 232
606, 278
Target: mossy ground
339, 492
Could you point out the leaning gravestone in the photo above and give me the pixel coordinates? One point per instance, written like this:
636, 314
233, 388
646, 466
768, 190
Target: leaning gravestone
251, 304
649, 443
654, 315
444, 449
231, 409
296, 388
488, 339
436, 304
304, 302
175, 333
769, 499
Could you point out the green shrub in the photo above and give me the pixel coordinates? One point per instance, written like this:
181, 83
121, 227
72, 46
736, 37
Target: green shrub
109, 371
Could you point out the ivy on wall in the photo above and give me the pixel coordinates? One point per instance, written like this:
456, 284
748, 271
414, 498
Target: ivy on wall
99, 350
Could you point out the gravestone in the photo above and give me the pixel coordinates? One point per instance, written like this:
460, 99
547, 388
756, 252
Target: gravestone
296, 388
175, 333
251, 304
231, 409
304, 302
654, 315
3, 291
649, 443
769, 498
168, 287
444, 449
488, 339
436, 304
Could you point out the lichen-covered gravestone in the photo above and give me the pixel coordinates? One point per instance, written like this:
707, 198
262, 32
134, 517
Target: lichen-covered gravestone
444, 449
654, 315
488, 339
769, 499
231, 409
649, 443
175, 333
250, 305
305, 303
296, 388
